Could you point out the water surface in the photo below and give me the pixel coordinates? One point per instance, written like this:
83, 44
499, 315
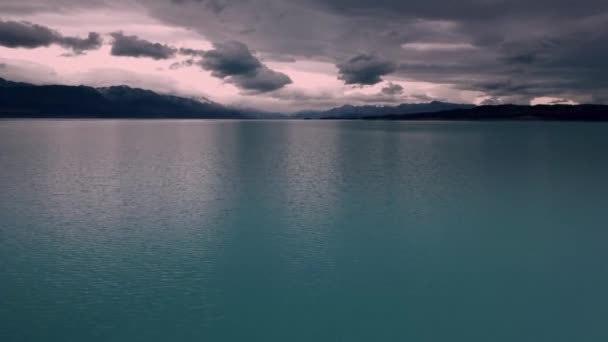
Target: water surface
303, 231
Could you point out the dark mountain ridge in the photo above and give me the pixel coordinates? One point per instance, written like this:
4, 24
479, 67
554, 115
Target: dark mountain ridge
358, 112
585, 112
23, 100
58, 101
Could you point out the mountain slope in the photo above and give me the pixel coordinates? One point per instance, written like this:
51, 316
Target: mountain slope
511, 112
357, 112
56, 101
23, 100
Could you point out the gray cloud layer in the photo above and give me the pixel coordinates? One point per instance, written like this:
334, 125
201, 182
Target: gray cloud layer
133, 46
22, 34
542, 47
229, 59
365, 69
508, 50
234, 62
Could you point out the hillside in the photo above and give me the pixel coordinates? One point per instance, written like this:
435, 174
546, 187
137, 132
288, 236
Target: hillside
58, 101
511, 112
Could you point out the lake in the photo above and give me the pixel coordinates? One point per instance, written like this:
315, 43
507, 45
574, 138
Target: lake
143, 230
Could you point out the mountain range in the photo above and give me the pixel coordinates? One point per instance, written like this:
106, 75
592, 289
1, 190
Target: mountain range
584, 112
359, 112
59, 101
24, 100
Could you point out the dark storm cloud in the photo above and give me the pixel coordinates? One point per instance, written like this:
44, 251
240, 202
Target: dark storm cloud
261, 80
133, 46
229, 59
364, 69
465, 9
392, 89
522, 58
22, 34
234, 62
549, 46
553, 48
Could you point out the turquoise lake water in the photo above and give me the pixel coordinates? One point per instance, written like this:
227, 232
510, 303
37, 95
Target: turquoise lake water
303, 231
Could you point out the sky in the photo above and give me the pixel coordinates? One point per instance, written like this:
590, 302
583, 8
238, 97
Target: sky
281, 55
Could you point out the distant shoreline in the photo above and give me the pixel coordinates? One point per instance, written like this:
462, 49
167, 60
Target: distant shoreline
27, 101
368, 119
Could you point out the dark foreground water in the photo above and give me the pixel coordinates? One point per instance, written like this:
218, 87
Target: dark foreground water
303, 231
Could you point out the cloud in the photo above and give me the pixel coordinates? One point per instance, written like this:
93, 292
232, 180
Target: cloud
536, 43
234, 62
183, 64
133, 46
278, 58
560, 101
230, 59
23, 34
491, 101
534, 48
392, 89
28, 7
216, 6
191, 52
364, 69
92, 42
261, 80
522, 58
297, 99
466, 9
